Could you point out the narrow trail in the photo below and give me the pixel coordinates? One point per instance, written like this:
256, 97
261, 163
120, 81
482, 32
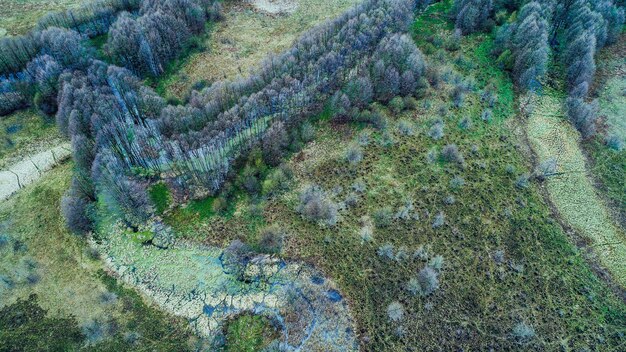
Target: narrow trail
30, 169
572, 190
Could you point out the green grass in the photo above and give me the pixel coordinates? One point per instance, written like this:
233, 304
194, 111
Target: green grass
248, 333
544, 280
160, 196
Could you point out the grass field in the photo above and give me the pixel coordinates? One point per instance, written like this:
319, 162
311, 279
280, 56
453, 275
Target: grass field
511, 279
26, 132
244, 38
572, 191
20, 16
38, 255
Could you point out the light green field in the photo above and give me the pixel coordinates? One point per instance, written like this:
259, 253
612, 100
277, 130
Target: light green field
572, 190
245, 37
20, 16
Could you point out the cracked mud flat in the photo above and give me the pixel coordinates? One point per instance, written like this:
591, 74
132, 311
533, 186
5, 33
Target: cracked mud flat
30, 169
192, 281
572, 190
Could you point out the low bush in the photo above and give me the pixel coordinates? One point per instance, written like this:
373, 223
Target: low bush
315, 205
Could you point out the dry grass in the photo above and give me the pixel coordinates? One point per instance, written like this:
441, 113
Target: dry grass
572, 191
246, 36
20, 16
69, 283
26, 132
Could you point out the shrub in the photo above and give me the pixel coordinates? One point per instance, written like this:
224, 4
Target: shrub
4, 241
523, 333
77, 213
450, 153
235, 258
277, 181
366, 233
428, 280
404, 211
219, 205
382, 217
354, 154
439, 220
395, 311
498, 256
316, 206
94, 331
457, 182
436, 131
406, 128
108, 298
271, 241
465, 123
307, 132
583, 115
386, 251
363, 139
546, 168
436, 262
487, 115
396, 105
421, 253
410, 103
275, 142
523, 181
359, 186
449, 200
614, 142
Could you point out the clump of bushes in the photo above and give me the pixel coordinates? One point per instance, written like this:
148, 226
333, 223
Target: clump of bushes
354, 154
451, 153
523, 333
383, 216
271, 240
425, 284
395, 311
315, 205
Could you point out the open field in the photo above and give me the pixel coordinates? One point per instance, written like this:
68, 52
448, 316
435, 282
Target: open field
20, 16
246, 36
507, 262
571, 190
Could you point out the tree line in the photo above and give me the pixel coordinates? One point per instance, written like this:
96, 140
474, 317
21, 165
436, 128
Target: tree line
125, 136
142, 35
569, 31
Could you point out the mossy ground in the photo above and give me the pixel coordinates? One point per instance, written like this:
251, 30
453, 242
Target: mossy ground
542, 280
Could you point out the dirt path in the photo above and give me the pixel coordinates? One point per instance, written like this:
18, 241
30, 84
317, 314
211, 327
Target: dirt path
30, 169
572, 191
